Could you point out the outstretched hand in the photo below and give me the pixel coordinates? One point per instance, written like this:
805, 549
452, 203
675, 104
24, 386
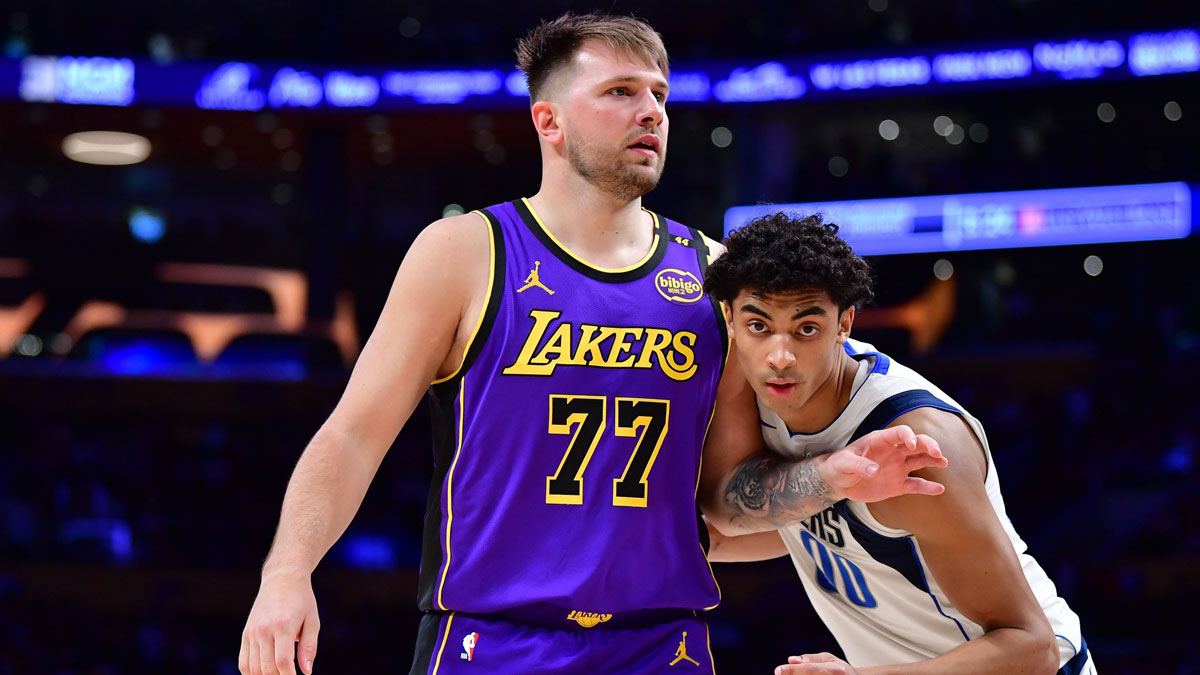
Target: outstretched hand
877, 466
816, 663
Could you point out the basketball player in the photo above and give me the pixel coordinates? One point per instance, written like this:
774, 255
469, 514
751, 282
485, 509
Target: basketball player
905, 584
574, 362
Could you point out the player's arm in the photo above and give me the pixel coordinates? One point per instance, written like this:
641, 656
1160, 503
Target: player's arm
437, 284
744, 548
973, 560
746, 488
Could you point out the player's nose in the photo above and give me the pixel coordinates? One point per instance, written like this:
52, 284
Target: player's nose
650, 109
780, 356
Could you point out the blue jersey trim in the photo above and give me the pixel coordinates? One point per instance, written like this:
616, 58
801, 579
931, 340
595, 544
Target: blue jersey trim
1077, 663
891, 551
882, 362
896, 405
931, 595
898, 553
764, 423
1068, 641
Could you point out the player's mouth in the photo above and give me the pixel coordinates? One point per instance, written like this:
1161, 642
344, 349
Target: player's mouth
646, 145
781, 388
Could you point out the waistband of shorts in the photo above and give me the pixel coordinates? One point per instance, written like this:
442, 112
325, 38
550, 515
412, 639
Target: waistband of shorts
544, 615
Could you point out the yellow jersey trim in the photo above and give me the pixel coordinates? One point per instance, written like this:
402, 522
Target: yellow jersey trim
709, 244
708, 641
462, 407
445, 637
606, 270
696, 492
487, 299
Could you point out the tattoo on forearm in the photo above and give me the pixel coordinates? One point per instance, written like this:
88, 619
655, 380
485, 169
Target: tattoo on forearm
767, 487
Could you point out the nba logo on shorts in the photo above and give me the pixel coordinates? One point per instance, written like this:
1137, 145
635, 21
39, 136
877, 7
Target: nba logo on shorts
469, 646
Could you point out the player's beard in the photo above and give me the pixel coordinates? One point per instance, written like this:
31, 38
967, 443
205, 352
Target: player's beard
613, 175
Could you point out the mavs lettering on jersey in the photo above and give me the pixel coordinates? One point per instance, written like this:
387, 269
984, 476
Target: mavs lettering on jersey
869, 582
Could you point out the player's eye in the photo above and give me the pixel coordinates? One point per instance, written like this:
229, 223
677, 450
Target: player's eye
809, 329
619, 91
756, 327
659, 96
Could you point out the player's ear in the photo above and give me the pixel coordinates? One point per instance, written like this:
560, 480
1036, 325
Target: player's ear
845, 323
546, 120
727, 309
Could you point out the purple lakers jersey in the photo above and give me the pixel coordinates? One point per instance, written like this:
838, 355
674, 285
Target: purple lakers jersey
568, 444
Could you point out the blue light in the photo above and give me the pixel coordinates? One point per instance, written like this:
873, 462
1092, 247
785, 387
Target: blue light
146, 226
38, 82
1078, 58
517, 84
228, 88
96, 80
1162, 53
244, 86
444, 86
1000, 219
1179, 459
1001, 64
113, 533
691, 86
770, 81
140, 354
138, 358
867, 74
292, 88
346, 90
370, 551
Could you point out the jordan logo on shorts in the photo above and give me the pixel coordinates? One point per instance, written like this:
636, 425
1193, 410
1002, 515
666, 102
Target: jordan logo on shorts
532, 281
681, 652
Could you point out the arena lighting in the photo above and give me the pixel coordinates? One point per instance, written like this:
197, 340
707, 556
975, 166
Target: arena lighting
237, 85
995, 220
106, 147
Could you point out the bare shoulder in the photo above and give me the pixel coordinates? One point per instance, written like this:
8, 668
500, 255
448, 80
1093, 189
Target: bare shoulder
963, 476
453, 237
957, 441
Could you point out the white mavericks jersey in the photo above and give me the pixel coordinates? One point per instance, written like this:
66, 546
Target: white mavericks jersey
870, 583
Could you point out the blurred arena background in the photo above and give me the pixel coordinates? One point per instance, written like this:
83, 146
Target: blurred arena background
174, 329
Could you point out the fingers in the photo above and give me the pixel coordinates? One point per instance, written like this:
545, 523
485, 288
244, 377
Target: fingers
922, 461
920, 486
900, 436
917, 451
927, 446
255, 661
852, 463
815, 663
823, 657
306, 651
244, 656
285, 654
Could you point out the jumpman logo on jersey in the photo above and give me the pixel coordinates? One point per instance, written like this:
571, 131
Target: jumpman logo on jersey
532, 280
681, 652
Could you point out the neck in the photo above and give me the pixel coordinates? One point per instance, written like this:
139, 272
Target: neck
594, 225
829, 399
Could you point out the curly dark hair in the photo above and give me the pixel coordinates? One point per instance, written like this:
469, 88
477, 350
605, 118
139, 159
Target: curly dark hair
783, 253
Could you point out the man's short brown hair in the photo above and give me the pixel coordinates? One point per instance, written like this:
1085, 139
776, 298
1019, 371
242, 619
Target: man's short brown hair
552, 44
